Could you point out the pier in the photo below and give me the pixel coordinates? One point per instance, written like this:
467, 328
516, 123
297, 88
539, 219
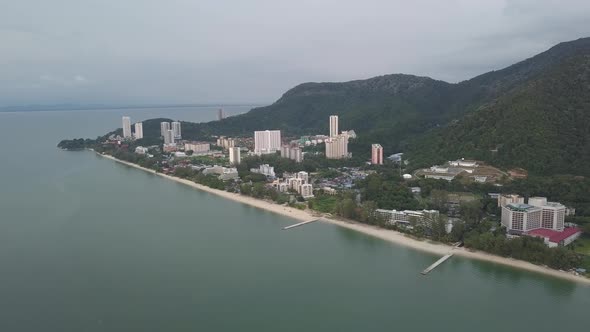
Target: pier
437, 263
299, 224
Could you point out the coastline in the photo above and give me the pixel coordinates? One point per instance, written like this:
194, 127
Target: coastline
384, 234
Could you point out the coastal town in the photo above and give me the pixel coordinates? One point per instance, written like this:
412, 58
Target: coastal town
464, 202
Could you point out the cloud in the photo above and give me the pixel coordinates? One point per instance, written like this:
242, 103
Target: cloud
232, 51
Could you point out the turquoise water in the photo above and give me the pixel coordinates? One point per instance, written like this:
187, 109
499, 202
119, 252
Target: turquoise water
87, 244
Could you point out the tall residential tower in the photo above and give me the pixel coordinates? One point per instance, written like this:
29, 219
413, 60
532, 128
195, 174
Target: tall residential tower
139, 130
267, 141
333, 125
126, 127
376, 154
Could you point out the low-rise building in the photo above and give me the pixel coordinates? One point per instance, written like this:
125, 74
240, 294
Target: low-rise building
197, 147
406, 216
264, 169
141, 150
225, 173
554, 238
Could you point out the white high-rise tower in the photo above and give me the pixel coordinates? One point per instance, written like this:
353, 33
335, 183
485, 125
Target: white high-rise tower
267, 141
176, 130
164, 127
139, 130
333, 125
126, 127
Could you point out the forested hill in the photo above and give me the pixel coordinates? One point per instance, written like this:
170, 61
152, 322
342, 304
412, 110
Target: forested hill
533, 114
542, 125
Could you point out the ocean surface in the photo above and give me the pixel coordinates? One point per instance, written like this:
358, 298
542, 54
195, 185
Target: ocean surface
87, 244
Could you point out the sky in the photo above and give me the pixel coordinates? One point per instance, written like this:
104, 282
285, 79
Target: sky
193, 51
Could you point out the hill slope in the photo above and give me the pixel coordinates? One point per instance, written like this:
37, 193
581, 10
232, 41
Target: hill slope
529, 105
542, 125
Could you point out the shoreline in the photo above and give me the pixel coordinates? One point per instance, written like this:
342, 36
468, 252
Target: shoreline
381, 233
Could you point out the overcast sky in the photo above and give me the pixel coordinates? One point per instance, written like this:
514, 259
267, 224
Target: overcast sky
192, 51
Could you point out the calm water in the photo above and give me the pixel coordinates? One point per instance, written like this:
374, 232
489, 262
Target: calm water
90, 245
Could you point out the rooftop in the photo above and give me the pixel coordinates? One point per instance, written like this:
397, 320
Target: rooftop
521, 207
554, 236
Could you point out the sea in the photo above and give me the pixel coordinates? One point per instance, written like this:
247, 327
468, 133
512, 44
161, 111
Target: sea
88, 244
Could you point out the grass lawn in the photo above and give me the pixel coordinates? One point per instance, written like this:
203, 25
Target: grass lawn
583, 245
324, 203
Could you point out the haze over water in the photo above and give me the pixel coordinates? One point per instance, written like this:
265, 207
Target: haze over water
87, 244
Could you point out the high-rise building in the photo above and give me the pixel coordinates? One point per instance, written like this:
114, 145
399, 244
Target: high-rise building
126, 127
292, 152
164, 127
226, 142
553, 215
267, 141
337, 147
139, 130
176, 130
169, 137
220, 114
333, 125
376, 154
234, 156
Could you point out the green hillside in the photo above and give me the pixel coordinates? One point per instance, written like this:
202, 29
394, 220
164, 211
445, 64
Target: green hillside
542, 125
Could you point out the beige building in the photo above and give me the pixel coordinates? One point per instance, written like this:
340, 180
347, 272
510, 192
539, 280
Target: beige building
234, 156
197, 147
138, 130
306, 190
337, 147
333, 125
376, 154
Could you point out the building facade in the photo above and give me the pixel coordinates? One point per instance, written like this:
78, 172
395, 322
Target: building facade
169, 137
176, 130
139, 130
126, 127
164, 127
234, 156
376, 154
333, 125
337, 147
306, 190
267, 141
406, 216
197, 147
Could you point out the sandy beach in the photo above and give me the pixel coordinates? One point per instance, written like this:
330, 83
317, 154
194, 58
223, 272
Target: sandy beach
384, 234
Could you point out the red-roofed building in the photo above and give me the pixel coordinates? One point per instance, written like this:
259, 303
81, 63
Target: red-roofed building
555, 238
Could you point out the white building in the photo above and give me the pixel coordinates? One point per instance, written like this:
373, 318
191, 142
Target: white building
139, 130
463, 163
126, 127
267, 141
306, 190
553, 216
264, 169
234, 156
225, 173
333, 125
406, 216
164, 127
303, 176
520, 218
197, 147
295, 184
337, 147
169, 137
176, 130
504, 199
141, 150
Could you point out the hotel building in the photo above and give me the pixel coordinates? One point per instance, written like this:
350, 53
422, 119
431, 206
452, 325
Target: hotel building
376, 154
267, 141
126, 127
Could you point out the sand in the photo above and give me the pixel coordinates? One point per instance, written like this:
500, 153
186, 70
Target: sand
384, 234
